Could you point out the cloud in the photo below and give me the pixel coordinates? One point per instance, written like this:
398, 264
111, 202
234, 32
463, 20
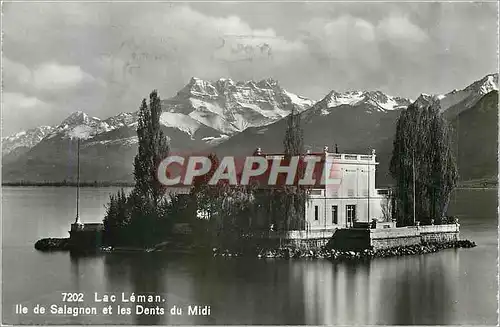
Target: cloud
359, 42
15, 73
397, 29
47, 76
105, 57
24, 110
343, 40
53, 76
13, 101
185, 35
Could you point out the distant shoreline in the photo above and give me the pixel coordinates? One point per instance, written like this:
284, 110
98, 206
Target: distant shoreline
70, 184
463, 186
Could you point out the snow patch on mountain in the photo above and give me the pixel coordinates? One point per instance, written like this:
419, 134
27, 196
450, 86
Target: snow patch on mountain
232, 106
26, 139
213, 140
300, 101
469, 95
376, 99
213, 120
80, 125
201, 105
180, 121
80, 132
122, 119
335, 99
127, 141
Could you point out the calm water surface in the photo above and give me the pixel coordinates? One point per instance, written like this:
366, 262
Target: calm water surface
450, 287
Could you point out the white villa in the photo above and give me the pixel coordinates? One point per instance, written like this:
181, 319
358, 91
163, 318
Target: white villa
352, 197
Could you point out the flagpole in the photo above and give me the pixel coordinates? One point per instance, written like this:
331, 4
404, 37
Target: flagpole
413, 165
369, 193
77, 221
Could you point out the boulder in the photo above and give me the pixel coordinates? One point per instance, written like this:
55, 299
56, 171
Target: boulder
52, 244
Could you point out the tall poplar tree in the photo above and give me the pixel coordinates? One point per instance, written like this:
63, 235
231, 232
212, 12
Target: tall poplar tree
422, 165
293, 141
287, 203
153, 148
139, 217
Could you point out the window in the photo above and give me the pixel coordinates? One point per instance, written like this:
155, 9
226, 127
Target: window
350, 212
316, 213
335, 215
316, 192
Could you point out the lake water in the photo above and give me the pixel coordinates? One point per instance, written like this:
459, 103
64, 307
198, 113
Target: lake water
456, 286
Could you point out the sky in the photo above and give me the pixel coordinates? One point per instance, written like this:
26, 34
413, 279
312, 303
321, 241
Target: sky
103, 58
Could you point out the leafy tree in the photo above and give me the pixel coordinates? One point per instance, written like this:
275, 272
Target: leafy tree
140, 218
285, 205
117, 218
153, 148
423, 164
293, 141
207, 196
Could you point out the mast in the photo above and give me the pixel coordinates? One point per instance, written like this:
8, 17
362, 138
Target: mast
413, 166
77, 221
369, 192
369, 185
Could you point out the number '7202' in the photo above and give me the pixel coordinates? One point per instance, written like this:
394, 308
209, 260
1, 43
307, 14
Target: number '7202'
72, 297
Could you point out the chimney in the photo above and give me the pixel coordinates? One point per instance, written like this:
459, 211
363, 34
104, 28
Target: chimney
336, 148
258, 151
308, 151
325, 149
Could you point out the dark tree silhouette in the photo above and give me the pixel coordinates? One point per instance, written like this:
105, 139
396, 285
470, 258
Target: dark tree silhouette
140, 218
423, 164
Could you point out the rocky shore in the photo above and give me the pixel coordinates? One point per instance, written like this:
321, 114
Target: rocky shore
332, 254
62, 244
53, 244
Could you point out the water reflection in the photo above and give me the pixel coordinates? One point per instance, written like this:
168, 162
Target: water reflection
86, 270
429, 289
248, 291
421, 292
335, 293
411, 290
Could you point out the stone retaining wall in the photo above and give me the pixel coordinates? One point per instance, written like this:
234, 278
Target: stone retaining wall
356, 239
386, 238
302, 239
439, 233
394, 237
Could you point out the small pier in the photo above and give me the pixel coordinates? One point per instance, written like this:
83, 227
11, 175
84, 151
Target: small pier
385, 238
85, 237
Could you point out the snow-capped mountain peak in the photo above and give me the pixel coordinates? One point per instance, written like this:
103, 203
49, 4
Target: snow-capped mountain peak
488, 83
377, 99
470, 94
230, 106
217, 109
122, 119
80, 125
427, 99
25, 139
77, 118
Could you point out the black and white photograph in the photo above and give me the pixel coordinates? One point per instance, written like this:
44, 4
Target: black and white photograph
249, 163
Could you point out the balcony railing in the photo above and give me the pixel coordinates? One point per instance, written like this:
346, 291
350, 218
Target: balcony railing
356, 157
382, 191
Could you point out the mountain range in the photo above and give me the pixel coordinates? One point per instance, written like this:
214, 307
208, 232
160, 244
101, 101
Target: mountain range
200, 115
233, 118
